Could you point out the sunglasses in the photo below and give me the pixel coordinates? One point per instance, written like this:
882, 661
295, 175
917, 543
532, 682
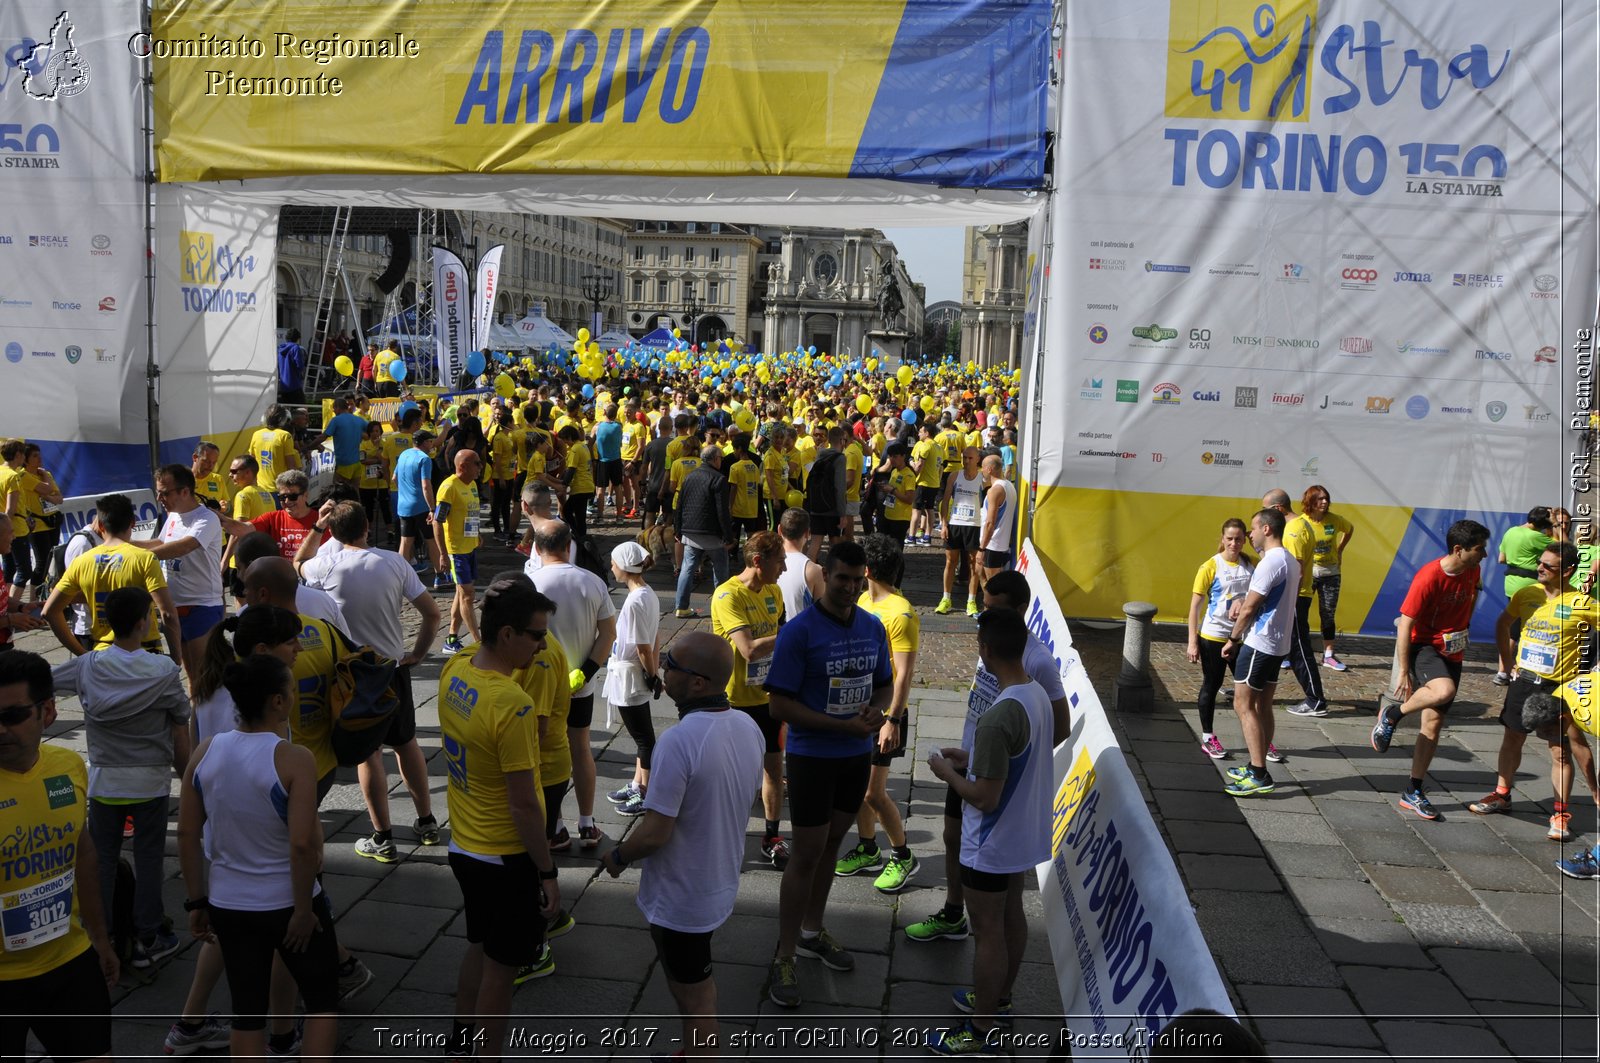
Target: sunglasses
671, 664
291, 498
536, 633
12, 715
1548, 567
236, 469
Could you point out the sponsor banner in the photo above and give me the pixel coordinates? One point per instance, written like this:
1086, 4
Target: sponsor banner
1350, 277
1128, 953
483, 298
952, 95
450, 310
77, 511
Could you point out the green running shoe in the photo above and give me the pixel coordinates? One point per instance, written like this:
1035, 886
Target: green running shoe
896, 873
937, 926
857, 860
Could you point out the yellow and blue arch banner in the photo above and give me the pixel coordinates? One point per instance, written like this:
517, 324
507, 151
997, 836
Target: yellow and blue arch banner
952, 94
1306, 242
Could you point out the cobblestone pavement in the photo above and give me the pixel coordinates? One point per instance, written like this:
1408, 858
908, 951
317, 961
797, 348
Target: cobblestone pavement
1342, 926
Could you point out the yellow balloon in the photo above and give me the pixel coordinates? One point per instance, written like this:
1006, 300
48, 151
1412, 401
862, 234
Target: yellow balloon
872, 365
594, 348
745, 419
504, 385
344, 365
927, 404
795, 499
864, 403
677, 334
904, 374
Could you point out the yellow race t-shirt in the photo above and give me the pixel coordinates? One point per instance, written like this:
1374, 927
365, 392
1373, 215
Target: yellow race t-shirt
503, 446
24, 483
675, 449
461, 524
632, 440
394, 444
311, 725
680, 470
582, 465
744, 489
545, 682
213, 486
1325, 536
96, 573
46, 809
487, 726
899, 480
1583, 702
931, 454
775, 467
853, 460
735, 607
899, 621
1554, 631
1299, 538
273, 449
374, 474
953, 443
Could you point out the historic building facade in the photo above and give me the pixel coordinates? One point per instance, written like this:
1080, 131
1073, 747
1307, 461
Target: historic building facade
839, 290
993, 294
699, 276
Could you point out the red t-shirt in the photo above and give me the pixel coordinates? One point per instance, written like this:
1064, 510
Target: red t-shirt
1440, 606
289, 532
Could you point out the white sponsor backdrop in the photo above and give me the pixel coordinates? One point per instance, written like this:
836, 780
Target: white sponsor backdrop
1128, 953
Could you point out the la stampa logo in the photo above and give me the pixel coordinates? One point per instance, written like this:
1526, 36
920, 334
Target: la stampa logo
55, 69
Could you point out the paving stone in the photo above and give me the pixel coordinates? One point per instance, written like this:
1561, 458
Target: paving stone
1334, 897
816, 1029
1272, 825
1282, 1013
1313, 861
1183, 751
1261, 938
403, 1013
387, 971
1541, 1031
741, 988
616, 953
1209, 871
1374, 942
392, 929
1196, 775
425, 884
1292, 1050
1196, 836
1497, 975
1506, 871
1446, 925
436, 968
1419, 885
1354, 818
1462, 834
1574, 959
1439, 1040
1212, 808
1383, 992
1535, 913
1390, 847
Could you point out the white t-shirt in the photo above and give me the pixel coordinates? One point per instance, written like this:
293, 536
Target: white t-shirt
196, 577
704, 773
215, 715
1015, 835
535, 562
792, 584
319, 605
1277, 578
638, 622
1041, 667
80, 544
582, 601
371, 586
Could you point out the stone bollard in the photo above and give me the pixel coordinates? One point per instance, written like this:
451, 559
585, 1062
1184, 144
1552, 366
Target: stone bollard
1134, 690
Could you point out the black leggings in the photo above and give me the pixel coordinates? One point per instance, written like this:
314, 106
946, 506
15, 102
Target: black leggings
1326, 588
642, 729
552, 806
1212, 670
375, 500
575, 511
248, 941
500, 506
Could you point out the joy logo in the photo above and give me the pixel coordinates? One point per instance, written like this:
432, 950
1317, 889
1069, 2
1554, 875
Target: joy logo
1379, 403
1363, 275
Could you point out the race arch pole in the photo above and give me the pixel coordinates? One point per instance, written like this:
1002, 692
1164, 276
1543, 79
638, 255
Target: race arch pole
152, 367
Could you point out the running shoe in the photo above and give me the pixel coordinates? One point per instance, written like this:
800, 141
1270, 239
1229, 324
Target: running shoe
944, 606
1273, 755
158, 946
292, 1049
858, 860
776, 849
127, 827
1560, 827
1494, 803
896, 874
823, 947
620, 797
1583, 865
354, 976
633, 806
1240, 772
589, 836
1249, 785
963, 1040
1330, 661
1383, 731
453, 644
686, 614
784, 989
1284, 665
1306, 708
1501, 679
1212, 747
1417, 801
543, 967
972, 608
427, 829
966, 1002
939, 925
560, 923
562, 842
441, 582
383, 852
210, 1033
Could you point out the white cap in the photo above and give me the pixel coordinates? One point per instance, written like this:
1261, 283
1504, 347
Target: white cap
630, 556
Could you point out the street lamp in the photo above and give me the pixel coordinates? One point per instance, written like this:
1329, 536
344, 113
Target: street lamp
598, 287
691, 307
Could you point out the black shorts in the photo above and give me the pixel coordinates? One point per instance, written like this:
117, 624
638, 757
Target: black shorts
985, 881
685, 957
502, 903
416, 528
581, 714
952, 802
250, 939
1511, 711
608, 473
881, 759
1256, 670
962, 537
403, 724
894, 529
1428, 664
771, 730
68, 1010
996, 558
822, 786
927, 498
749, 525
824, 524
652, 502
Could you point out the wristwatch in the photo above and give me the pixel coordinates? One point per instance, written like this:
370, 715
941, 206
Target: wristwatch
617, 852
197, 904
547, 876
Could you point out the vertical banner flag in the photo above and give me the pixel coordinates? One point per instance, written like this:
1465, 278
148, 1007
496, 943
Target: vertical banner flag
1128, 953
1306, 243
483, 297
450, 315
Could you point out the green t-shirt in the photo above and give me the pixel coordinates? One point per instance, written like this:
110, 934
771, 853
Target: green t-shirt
1002, 733
1522, 546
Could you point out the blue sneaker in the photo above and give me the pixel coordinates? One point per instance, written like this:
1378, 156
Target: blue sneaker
620, 797
1249, 785
1417, 801
966, 1001
1383, 731
441, 582
453, 644
1583, 865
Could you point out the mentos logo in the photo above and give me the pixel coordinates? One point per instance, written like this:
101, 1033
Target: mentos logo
1166, 394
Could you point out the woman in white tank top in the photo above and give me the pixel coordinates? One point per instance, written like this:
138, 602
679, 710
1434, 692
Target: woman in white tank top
262, 629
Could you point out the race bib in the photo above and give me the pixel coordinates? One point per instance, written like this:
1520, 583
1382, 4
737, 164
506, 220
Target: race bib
469, 526
374, 472
984, 688
1536, 657
963, 511
1455, 643
755, 672
37, 914
848, 695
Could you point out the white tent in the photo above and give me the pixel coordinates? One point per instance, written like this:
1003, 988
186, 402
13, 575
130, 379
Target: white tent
539, 333
613, 339
506, 338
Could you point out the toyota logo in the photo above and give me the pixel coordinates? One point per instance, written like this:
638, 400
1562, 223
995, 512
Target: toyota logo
1360, 275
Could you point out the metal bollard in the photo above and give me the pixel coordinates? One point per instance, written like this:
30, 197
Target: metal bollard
1135, 693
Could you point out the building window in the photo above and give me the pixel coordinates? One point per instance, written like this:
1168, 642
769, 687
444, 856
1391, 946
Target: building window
716, 255
638, 290
662, 289
688, 255
713, 292
638, 252
716, 226
690, 227
663, 256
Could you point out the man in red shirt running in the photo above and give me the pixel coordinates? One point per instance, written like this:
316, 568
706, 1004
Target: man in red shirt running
1430, 641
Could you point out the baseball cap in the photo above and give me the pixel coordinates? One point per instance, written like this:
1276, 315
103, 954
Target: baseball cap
630, 557
421, 436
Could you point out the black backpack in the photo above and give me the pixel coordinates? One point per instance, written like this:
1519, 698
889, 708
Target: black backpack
58, 556
820, 494
586, 558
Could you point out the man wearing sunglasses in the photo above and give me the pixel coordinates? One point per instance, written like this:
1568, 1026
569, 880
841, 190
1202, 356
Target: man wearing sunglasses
58, 963
287, 526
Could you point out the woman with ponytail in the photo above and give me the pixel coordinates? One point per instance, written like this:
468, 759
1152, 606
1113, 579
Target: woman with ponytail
260, 629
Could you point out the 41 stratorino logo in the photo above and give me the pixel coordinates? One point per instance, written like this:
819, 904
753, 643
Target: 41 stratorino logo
209, 270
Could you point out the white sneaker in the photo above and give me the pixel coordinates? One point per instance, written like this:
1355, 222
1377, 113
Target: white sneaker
1273, 754
1212, 747
1330, 661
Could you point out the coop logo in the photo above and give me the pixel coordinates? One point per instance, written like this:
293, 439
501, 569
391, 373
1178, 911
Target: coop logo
1282, 398
1495, 410
1164, 267
1356, 345
1155, 333
1492, 356
1545, 355
13, 352
1419, 348
1244, 398
1127, 391
73, 353
1295, 273
1406, 277
1358, 279
1093, 389
1166, 393
1221, 458
1417, 407
1206, 396
1098, 333
1268, 61
210, 273
1544, 286
1379, 403
100, 245
1477, 280
108, 305
1109, 265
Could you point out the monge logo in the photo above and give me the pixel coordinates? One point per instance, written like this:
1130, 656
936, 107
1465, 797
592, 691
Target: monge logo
1239, 60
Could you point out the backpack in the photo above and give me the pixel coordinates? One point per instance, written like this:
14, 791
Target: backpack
820, 494
586, 559
58, 556
362, 699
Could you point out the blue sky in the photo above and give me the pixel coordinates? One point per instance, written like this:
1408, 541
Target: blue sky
933, 256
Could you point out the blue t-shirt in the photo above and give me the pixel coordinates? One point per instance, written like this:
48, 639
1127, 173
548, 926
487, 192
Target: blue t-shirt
608, 441
830, 667
346, 430
410, 469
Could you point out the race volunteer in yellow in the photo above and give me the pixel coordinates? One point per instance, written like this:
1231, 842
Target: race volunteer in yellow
57, 963
498, 851
1558, 632
273, 448
894, 520
95, 573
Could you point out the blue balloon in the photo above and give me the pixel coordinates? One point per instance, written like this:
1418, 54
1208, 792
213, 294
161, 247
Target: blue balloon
812, 350
738, 385
716, 381
588, 391
475, 363
908, 415
397, 370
